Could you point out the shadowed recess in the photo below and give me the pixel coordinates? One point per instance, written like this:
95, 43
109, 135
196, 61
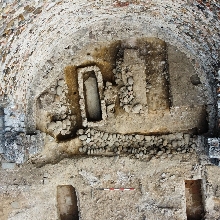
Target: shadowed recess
194, 204
67, 202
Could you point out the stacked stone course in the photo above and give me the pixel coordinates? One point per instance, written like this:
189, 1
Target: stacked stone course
96, 142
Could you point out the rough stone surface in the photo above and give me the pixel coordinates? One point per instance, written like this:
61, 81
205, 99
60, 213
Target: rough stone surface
158, 76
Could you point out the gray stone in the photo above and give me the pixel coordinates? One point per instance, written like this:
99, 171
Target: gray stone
130, 137
92, 132
83, 137
1, 150
168, 151
59, 124
63, 132
9, 122
165, 142
8, 128
129, 88
105, 136
59, 90
88, 140
137, 137
160, 153
179, 143
163, 175
172, 177
187, 138
64, 125
108, 84
137, 108
193, 146
110, 108
80, 131
60, 82
6, 165
88, 131
15, 205
114, 136
179, 136
110, 137
130, 80
125, 100
116, 144
127, 108
147, 138
174, 144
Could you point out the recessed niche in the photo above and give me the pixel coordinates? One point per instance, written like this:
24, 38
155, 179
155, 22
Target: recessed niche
194, 204
67, 203
91, 101
92, 98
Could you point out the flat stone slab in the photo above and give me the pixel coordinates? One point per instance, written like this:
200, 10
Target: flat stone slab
7, 165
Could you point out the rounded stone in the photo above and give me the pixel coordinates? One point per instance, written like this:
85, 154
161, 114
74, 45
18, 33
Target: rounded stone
160, 153
137, 108
130, 80
174, 144
82, 137
165, 142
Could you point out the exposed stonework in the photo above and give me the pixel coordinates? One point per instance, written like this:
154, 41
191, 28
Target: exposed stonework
153, 69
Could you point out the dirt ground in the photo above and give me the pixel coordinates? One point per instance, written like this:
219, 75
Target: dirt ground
31, 189
28, 192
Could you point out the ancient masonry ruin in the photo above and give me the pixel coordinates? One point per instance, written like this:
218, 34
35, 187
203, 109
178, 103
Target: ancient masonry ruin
104, 95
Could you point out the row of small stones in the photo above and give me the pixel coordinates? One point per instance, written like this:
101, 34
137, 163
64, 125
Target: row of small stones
138, 152
92, 136
96, 142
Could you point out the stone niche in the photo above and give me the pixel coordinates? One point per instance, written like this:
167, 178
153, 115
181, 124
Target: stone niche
91, 101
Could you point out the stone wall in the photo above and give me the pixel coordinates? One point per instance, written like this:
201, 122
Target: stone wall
44, 43
39, 39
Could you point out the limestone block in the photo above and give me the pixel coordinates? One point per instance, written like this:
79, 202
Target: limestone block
137, 108
59, 90
6, 165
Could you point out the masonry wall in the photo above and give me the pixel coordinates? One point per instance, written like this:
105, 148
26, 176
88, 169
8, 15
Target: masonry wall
39, 39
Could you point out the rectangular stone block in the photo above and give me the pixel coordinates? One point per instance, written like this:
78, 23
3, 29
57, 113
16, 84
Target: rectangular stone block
6, 165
